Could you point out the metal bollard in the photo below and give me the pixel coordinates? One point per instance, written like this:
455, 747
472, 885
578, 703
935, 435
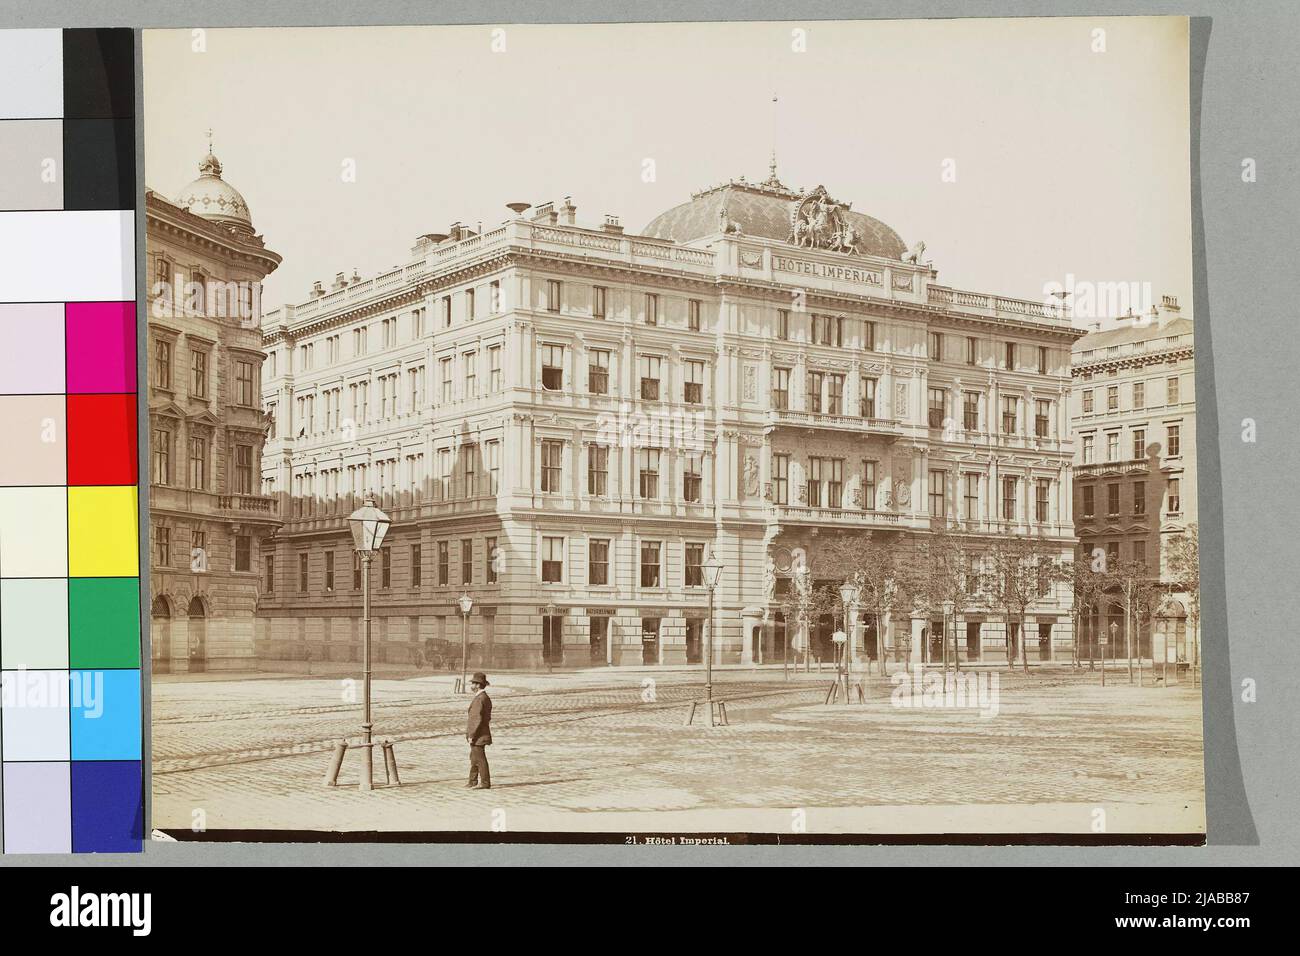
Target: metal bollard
336, 763
390, 765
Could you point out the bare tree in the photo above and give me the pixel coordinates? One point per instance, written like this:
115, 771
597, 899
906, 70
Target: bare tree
1086, 579
1183, 565
878, 568
1137, 593
943, 581
1019, 573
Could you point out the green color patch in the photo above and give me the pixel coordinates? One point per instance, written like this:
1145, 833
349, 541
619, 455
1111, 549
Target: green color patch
103, 622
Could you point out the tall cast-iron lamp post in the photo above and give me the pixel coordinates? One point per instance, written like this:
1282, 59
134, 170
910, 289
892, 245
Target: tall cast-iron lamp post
712, 573
466, 604
849, 601
369, 526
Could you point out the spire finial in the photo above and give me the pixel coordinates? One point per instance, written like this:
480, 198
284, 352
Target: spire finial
211, 166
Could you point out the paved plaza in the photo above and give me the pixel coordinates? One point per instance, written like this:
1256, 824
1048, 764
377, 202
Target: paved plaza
606, 750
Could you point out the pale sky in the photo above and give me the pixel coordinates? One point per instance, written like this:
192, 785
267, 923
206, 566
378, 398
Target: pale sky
1068, 161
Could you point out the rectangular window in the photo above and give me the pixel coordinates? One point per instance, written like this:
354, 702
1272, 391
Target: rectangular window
162, 456
356, 571
302, 572
1139, 498
162, 364
780, 388
494, 368
1009, 499
598, 561
1042, 360
467, 561
494, 297
650, 564
385, 567
162, 546
869, 485
834, 482
814, 484
694, 392
1087, 401
491, 560
1171, 391
651, 369
552, 560
971, 494
648, 470
552, 367
445, 306
1089, 501
552, 466
781, 479
1140, 553
1041, 488
1112, 398
1088, 441
1112, 446
598, 372
938, 401
1173, 447
867, 398
934, 343
444, 563
1139, 444
269, 563
694, 565
1139, 395
245, 389
835, 394
471, 304
937, 481
243, 552
552, 295
198, 373
599, 297
814, 384
469, 476
469, 362
972, 350
651, 309
1010, 411
1175, 497
329, 571
417, 566
1112, 499
597, 470
444, 474
1042, 417
693, 477
1112, 551
783, 324
1009, 355
970, 411
869, 336
243, 469
693, 314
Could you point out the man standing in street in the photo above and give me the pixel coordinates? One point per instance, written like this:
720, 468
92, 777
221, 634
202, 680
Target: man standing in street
479, 733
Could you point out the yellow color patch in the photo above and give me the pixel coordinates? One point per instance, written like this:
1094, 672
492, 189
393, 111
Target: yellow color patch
102, 530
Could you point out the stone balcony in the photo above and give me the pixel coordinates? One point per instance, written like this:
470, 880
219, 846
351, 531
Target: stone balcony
1106, 469
821, 421
857, 518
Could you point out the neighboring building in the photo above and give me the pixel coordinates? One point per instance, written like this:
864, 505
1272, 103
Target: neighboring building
564, 422
1134, 420
206, 426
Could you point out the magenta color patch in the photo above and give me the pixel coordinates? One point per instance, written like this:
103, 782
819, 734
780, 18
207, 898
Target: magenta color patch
101, 347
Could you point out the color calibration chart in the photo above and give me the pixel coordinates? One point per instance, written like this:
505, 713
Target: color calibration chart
70, 636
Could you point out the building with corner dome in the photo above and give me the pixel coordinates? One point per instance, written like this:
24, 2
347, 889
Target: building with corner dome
565, 419
207, 518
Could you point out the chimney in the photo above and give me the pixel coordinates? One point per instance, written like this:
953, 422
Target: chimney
545, 213
317, 290
356, 275
339, 282
1167, 312
568, 212
612, 224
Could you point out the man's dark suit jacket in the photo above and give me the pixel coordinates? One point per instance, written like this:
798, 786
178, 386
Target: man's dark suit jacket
479, 729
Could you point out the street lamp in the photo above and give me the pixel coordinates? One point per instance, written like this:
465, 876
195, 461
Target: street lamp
369, 526
1114, 631
849, 600
466, 603
712, 574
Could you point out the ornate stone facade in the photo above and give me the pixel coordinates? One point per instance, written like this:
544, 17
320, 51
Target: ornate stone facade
564, 421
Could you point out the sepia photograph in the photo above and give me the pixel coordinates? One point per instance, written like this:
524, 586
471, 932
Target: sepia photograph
687, 432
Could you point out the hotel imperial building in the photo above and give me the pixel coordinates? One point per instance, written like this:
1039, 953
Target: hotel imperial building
1133, 412
564, 421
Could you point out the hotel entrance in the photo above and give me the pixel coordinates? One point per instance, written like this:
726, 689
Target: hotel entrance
649, 640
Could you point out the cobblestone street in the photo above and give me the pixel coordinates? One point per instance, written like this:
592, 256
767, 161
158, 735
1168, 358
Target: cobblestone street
607, 751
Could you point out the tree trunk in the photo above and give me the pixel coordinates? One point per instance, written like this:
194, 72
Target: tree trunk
1024, 647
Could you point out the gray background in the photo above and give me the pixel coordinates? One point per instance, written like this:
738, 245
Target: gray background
1246, 236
